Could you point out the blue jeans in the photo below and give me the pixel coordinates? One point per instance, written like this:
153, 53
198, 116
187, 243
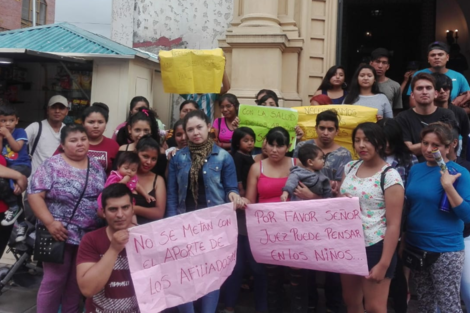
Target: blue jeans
232, 285
208, 304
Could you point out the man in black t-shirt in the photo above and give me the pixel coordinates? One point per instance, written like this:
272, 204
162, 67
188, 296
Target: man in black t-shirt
412, 121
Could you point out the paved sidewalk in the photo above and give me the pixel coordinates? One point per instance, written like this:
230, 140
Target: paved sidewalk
21, 296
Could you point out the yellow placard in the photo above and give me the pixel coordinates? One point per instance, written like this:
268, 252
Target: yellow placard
186, 71
349, 117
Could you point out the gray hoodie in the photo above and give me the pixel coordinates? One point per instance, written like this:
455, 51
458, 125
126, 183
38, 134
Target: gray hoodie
317, 182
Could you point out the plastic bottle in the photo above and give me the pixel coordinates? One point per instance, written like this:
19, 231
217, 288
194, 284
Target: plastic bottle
444, 205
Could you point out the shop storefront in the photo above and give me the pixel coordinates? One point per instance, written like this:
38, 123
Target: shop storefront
37, 63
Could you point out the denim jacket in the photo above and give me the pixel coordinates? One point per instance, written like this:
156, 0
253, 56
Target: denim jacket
220, 179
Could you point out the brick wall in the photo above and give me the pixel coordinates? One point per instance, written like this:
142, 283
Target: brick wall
50, 15
10, 14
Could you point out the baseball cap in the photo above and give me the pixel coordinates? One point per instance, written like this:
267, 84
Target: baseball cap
58, 99
438, 45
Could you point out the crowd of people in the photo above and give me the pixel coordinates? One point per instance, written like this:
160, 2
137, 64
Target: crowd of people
86, 190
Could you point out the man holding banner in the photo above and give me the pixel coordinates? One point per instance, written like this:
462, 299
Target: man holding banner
336, 157
102, 268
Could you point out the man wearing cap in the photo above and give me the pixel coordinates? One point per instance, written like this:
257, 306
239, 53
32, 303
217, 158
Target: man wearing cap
49, 137
48, 134
438, 56
380, 61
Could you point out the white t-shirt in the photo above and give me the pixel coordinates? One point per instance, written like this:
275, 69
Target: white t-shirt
371, 199
47, 144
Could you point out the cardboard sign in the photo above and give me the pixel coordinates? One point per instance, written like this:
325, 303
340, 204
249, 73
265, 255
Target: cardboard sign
349, 117
261, 119
323, 235
186, 71
182, 258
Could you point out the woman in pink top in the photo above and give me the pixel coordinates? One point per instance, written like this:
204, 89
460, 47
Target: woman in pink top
265, 182
228, 104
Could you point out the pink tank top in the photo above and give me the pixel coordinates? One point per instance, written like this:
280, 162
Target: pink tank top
269, 188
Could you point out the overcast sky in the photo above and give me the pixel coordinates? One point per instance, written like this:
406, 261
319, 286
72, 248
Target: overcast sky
92, 15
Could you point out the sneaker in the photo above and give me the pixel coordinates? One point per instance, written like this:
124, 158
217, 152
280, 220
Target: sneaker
11, 215
21, 231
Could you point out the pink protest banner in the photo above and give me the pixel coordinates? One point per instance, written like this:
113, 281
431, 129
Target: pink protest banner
322, 235
181, 258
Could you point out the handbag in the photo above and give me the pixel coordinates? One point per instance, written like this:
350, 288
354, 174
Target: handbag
46, 248
417, 259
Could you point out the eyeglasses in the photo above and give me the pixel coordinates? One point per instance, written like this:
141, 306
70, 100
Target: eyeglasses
445, 88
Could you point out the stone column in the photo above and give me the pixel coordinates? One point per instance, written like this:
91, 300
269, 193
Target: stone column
283, 45
258, 50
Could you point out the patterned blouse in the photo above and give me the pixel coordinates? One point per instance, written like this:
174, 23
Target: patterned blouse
371, 199
63, 185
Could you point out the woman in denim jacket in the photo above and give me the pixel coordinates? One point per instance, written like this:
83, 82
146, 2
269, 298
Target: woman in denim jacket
200, 175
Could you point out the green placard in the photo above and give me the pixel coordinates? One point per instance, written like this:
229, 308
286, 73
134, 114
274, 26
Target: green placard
261, 119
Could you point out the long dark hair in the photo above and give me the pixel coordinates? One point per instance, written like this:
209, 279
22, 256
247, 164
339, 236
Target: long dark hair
147, 143
374, 134
266, 97
197, 113
278, 135
325, 83
136, 100
266, 92
232, 99
394, 137
239, 134
144, 114
355, 89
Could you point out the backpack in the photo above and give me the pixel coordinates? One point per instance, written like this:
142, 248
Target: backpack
382, 175
36, 140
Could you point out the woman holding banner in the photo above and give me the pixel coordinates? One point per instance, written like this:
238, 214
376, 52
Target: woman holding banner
364, 91
201, 175
380, 191
265, 182
336, 157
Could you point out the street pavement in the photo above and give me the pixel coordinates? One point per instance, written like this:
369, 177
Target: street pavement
20, 296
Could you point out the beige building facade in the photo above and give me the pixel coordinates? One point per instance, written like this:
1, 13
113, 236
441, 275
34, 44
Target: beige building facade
288, 45
283, 45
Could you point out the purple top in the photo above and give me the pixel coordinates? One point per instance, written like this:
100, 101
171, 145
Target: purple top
63, 185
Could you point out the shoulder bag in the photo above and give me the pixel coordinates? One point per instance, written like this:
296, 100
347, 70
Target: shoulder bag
46, 248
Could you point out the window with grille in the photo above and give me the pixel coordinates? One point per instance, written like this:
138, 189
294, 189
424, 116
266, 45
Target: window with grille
27, 12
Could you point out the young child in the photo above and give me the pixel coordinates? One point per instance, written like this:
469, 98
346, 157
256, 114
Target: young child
127, 166
13, 144
313, 160
243, 142
179, 138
